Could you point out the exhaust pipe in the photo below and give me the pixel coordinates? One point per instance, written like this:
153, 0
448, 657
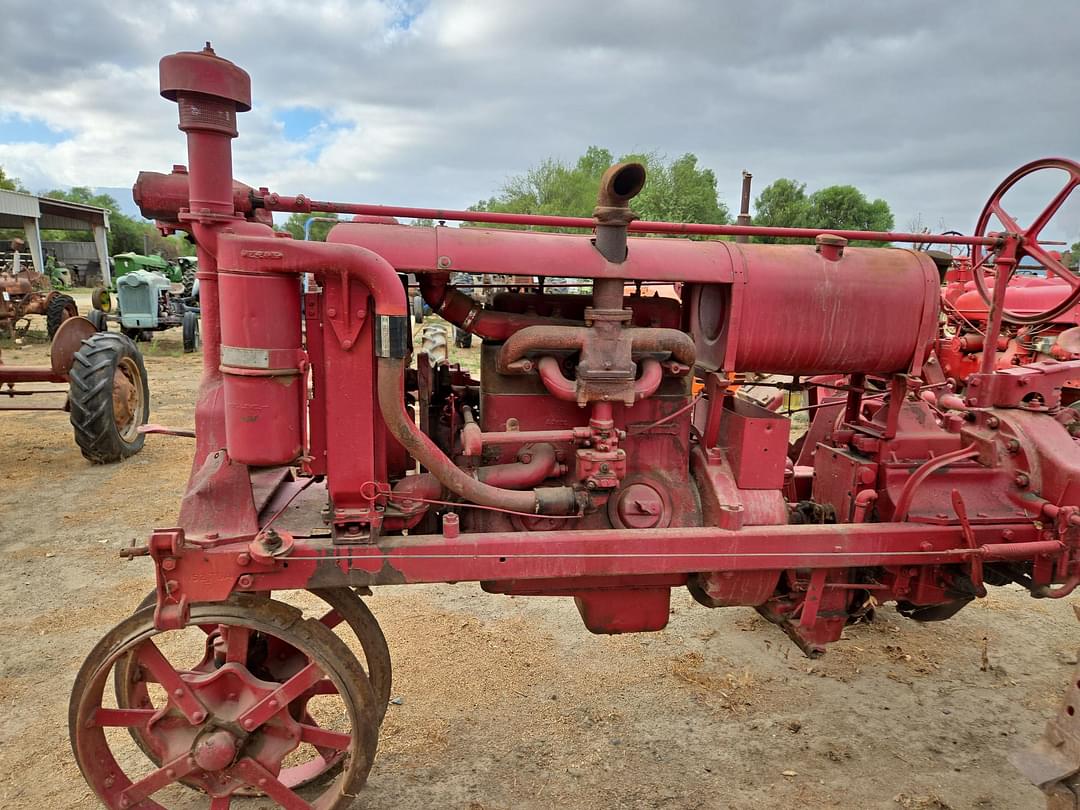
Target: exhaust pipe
620, 184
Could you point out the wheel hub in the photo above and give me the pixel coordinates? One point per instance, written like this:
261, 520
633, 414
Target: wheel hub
219, 741
124, 399
215, 751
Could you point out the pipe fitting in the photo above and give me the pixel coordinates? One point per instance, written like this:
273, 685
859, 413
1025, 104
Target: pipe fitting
541, 501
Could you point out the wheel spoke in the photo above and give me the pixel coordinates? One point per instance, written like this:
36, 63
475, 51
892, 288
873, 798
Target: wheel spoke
1051, 264
1006, 219
285, 694
152, 660
332, 619
1036, 227
124, 718
236, 639
323, 687
258, 777
165, 775
324, 738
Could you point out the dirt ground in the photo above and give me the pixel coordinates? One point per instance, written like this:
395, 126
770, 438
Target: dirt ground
510, 702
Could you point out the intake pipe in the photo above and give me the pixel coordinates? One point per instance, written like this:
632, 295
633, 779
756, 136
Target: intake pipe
536, 463
540, 501
544, 339
263, 254
465, 313
562, 387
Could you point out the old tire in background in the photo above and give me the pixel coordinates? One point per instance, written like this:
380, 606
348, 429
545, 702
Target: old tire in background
192, 340
187, 278
101, 299
58, 310
98, 319
109, 398
418, 309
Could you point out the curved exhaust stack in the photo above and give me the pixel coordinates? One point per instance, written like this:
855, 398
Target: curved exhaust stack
620, 184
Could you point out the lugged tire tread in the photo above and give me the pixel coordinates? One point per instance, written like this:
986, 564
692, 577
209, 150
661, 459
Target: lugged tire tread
90, 397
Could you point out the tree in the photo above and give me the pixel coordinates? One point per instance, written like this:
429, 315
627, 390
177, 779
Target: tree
319, 228
1071, 258
846, 208
678, 190
785, 203
8, 183
781, 204
126, 234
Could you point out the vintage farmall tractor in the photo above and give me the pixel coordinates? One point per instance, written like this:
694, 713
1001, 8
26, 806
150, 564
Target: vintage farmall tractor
580, 464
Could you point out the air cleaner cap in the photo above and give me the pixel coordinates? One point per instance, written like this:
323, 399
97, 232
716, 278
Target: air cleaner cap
205, 73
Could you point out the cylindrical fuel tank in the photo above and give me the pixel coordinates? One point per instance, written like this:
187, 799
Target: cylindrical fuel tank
260, 364
801, 309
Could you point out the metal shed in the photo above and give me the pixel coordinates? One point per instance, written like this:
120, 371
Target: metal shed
32, 214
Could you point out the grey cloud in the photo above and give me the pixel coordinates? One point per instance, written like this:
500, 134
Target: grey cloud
925, 104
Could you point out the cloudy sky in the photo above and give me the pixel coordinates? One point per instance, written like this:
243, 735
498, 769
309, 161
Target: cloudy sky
926, 104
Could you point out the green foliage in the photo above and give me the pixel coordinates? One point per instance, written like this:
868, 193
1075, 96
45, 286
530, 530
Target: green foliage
1071, 257
319, 229
125, 233
675, 191
785, 203
8, 183
781, 204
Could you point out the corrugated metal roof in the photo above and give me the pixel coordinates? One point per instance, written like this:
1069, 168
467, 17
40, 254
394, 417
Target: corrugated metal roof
51, 214
19, 205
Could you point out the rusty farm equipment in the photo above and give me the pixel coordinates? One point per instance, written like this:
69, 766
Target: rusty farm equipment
106, 395
25, 292
584, 462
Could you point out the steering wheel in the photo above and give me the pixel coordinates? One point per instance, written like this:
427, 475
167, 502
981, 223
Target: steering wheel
1029, 244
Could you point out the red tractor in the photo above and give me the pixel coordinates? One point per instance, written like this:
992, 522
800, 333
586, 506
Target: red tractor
581, 463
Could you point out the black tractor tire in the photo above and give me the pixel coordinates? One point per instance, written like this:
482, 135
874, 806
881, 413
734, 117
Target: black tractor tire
187, 278
462, 338
101, 299
103, 433
135, 335
58, 310
98, 319
192, 340
418, 309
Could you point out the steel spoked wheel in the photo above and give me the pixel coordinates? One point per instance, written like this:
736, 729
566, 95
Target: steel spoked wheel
133, 691
221, 719
1029, 237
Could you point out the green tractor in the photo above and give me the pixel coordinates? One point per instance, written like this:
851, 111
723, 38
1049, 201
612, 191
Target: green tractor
152, 294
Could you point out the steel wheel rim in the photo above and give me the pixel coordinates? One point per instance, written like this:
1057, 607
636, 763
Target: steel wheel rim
128, 403
88, 718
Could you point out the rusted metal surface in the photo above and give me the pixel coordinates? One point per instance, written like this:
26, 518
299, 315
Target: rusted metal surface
603, 454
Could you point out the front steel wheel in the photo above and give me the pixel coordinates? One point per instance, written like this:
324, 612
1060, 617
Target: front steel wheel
222, 720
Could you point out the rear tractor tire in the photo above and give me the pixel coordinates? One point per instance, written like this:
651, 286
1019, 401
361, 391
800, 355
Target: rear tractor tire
58, 310
192, 339
187, 278
109, 398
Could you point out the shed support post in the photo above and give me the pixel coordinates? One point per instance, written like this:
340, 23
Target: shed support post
103, 254
33, 241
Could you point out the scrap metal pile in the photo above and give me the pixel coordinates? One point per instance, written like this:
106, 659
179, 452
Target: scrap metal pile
603, 454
